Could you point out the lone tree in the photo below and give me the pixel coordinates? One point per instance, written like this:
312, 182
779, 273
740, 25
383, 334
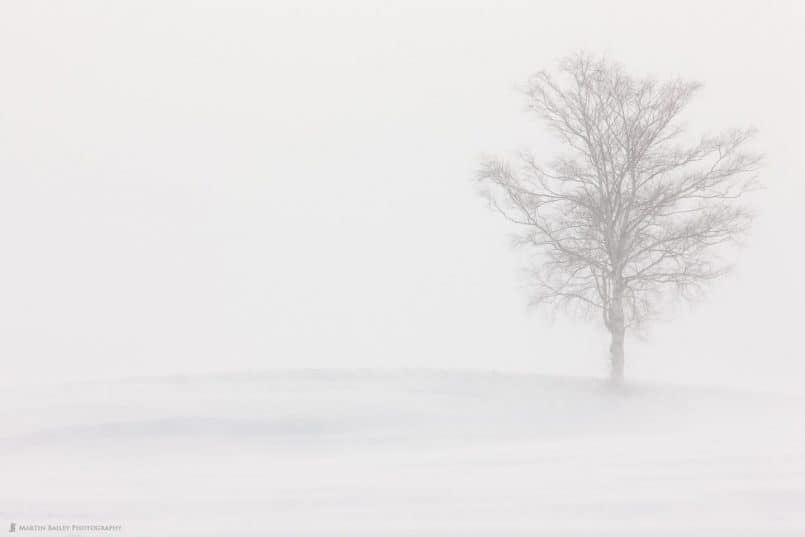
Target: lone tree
632, 212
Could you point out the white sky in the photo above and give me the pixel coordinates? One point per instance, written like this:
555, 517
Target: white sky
188, 188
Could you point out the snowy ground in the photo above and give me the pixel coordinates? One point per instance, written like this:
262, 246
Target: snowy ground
399, 453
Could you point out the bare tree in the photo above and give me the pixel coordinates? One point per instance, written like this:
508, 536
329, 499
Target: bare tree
632, 211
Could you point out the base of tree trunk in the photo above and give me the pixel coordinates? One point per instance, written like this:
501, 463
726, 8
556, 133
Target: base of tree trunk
616, 376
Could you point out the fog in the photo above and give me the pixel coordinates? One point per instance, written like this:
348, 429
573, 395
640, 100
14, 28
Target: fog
206, 187
191, 191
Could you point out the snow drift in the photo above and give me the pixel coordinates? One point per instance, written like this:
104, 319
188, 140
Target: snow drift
372, 452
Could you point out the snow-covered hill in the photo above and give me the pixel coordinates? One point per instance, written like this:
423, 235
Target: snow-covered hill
412, 452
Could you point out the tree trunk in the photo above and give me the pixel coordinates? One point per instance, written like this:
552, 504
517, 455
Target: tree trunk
617, 330
616, 355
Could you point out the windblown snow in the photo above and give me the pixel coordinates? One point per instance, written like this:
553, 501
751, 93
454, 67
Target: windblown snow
401, 453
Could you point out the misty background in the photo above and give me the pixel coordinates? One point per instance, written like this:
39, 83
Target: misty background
188, 189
